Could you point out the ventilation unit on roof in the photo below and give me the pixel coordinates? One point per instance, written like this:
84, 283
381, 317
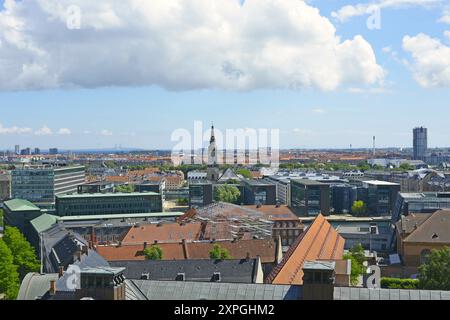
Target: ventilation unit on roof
216, 277
181, 277
145, 276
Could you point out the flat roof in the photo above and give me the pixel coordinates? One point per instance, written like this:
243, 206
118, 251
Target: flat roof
380, 183
105, 195
308, 182
121, 216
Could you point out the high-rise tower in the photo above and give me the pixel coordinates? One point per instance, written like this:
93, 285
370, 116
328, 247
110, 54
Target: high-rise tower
420, 143
213, 169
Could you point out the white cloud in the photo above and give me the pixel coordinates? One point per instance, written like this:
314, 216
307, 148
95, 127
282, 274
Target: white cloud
445, 18
44, 131
15, 130
64, 131
179, 45
431, 60
106, 133
318, 110
447, 35
361, 9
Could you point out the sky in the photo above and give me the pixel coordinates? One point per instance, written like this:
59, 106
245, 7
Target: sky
327, 73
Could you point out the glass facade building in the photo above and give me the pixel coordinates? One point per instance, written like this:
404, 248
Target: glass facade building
309, 198
42, 184
113, 203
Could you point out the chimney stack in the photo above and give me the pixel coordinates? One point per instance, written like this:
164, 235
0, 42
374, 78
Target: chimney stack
145, 245
52, 290
60, 271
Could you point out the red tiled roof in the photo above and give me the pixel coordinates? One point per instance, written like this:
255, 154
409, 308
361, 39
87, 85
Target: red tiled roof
165, 232
320, 242
274, 213
266, 249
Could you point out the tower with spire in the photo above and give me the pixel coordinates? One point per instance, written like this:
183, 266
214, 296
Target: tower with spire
213, 171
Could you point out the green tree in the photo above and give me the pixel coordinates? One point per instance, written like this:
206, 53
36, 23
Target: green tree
153, 253
219, 253
23, 253
245, 173
359, 208
127, 188
227, 193
406, 167
435, 273
1, 218
182, 202
357, 257
9, 278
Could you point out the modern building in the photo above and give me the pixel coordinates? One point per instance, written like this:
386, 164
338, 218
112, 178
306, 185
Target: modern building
5, 187
381, 197
53, 151
96, 187
283, 189
420, 143
108, 203
424, 202
40, 184
309, 197
19, 214
201, 193
17, 149
259, 192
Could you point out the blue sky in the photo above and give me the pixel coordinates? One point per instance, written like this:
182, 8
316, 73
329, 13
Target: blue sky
145, 115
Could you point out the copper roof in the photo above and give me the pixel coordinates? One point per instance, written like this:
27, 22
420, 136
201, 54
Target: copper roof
319, 242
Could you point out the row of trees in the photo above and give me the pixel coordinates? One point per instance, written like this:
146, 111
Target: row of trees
17, 258
155, 252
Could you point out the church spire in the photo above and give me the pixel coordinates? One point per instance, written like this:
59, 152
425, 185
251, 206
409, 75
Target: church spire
213, 138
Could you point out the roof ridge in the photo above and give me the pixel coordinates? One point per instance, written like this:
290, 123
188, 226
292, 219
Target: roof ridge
420, 227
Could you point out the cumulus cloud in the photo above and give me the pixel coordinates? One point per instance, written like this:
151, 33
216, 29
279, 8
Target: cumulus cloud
179, 45
64, 131
44, 131
431, 60
106, 133
445, 18
14, 130
361, 9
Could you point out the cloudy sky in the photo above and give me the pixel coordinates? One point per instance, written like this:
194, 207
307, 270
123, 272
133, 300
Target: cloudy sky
327, 73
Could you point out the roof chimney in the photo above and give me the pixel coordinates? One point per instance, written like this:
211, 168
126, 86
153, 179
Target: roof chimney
52, 290
247, 258
185, 249
60, 271
145, 245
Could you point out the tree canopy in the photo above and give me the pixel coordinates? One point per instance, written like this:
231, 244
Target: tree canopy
435, 273
24, 255
245, 173
227, 193
359, 208
9, 278
153, 253
127, 188
357, 257
219, 253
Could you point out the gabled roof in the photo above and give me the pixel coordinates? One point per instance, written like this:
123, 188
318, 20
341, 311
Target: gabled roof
20, 205
435, 229
319, 242
229, 174
266, 249
164, 232
231, 271
179, 290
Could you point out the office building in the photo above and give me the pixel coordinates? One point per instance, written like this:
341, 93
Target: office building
424, 202
5, 187
40, 184
17, 149
53, 151
420, 143
259, 192
309, 197
201, 193
108, 203
96, 187
25, 152
283, 189
37, 151
381, 197
19, 214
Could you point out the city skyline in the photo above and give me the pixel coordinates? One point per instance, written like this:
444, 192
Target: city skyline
374, 81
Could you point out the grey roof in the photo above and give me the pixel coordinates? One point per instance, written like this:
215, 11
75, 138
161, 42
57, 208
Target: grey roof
388, 294
319, 265
177, 290
35, 285
231, 271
